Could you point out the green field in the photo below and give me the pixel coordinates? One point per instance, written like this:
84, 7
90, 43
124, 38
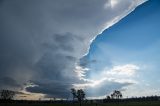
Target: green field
149, 103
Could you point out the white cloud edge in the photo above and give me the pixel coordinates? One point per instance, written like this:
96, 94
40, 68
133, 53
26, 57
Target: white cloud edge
116, 20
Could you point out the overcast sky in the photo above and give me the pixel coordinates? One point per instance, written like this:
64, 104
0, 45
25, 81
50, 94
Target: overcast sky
46, 46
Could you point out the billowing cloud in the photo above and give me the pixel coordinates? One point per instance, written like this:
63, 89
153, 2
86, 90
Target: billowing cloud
41, 41
127, 70
118, 77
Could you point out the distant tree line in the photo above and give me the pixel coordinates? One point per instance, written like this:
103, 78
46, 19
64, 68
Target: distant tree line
7, 94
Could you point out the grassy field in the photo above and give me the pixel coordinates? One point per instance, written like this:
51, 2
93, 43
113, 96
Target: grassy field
150, 103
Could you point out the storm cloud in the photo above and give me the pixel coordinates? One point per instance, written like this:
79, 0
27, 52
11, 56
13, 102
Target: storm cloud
41, 41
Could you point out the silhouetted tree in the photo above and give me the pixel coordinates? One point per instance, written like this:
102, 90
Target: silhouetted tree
73, 91
54, 98
116, 95
112, 96
79, 94
7, 94
108, 97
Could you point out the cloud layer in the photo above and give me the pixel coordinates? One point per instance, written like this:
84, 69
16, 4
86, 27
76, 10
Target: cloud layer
41, 41
107, 80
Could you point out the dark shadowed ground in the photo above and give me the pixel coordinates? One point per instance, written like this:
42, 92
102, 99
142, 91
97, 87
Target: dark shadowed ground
144, 103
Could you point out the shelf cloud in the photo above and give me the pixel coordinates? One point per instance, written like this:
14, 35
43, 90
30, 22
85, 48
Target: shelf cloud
41, 41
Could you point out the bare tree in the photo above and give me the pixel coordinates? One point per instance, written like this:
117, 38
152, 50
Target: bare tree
7, 94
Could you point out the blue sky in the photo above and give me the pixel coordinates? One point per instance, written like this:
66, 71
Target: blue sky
133, 40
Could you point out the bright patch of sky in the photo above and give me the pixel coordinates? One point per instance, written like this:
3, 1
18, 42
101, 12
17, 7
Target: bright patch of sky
129, 48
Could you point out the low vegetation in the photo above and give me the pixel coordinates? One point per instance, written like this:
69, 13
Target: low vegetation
115, 99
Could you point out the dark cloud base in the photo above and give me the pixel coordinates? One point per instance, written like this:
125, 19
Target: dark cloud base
41, 41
